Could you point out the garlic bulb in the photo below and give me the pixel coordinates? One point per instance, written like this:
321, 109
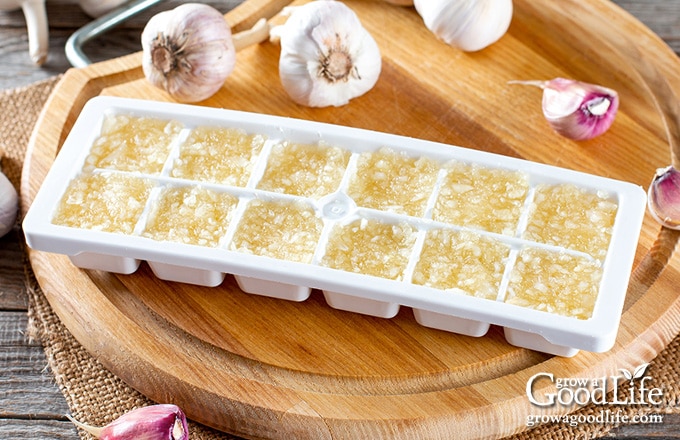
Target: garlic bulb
327, 56
469, 25
188, 51
664, 197
575, 109
9, 205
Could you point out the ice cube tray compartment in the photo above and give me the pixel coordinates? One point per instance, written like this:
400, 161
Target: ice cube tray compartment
333, 187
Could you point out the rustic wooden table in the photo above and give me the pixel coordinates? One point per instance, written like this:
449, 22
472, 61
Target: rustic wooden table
31, 406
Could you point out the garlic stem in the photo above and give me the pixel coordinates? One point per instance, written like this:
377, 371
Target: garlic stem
255, 35
92, 430
535, 83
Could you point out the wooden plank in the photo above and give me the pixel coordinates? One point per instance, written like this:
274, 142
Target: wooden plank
27, 387
13, 330
23, 429
31, 404
12, 294
661, 16
649, 431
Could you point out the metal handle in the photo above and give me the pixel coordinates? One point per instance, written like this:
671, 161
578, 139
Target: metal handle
101, 25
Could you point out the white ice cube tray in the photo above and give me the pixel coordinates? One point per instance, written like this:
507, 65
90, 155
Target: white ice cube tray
450, 310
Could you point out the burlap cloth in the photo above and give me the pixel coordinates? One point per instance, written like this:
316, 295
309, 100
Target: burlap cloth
95, 396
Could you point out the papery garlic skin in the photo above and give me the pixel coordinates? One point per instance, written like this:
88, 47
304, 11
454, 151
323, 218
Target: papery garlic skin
188, 51
470, 25
663, 197
575, 109
327, 56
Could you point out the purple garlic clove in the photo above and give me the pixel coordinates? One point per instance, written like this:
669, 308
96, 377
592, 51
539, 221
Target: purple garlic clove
155, 422
575, 109
663, 197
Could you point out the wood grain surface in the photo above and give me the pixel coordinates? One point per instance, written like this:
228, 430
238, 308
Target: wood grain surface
298, 365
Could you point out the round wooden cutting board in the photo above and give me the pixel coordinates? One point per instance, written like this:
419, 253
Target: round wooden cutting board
266, 368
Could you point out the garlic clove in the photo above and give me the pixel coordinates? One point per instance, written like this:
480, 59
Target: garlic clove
255, 35
9, 205
663, 197
188, 51
575, 109
327, 56
154, 422
470, 25
38, 30
97, 8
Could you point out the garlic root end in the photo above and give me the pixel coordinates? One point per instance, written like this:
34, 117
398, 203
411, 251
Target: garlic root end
93, 430
255, 35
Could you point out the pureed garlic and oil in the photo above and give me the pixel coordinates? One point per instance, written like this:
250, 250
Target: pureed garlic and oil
465, 238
